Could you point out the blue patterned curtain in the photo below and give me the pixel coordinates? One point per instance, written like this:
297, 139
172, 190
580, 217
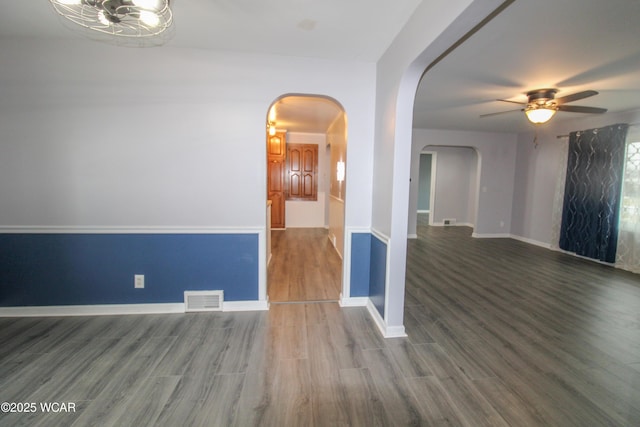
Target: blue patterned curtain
592, 192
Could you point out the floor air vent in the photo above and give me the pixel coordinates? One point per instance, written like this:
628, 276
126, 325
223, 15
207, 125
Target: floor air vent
203, 301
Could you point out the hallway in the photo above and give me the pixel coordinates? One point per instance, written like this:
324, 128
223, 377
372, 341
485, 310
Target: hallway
304, 266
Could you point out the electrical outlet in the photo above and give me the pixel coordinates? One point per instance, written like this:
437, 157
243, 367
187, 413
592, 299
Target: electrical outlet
138, 281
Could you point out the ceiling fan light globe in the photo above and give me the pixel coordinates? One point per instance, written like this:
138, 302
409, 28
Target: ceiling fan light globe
150, 18
150, 4
103, 18
539, 115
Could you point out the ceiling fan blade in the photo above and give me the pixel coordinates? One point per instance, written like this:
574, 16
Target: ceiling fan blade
575, 96
578, 109
501, 112
513, 102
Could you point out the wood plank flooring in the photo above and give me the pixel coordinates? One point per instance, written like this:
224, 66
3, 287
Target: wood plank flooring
304, 266
544, 338
501, 333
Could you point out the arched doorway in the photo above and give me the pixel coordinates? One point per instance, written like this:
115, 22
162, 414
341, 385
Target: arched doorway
449, 194
306, 190
400, 70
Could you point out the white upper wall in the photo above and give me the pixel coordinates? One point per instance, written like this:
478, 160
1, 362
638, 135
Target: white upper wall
96, 135
455, 186
495, 187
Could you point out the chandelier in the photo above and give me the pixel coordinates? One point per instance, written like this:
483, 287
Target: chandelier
125, 19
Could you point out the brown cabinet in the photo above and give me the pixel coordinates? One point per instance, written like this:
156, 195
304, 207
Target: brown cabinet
276, 145
276, 149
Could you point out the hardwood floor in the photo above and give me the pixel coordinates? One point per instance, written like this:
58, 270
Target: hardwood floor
304, 266
542, 337
501, 333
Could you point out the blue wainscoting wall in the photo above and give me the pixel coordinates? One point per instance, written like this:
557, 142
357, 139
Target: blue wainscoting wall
378, 274
369, 268
360, 264
85, 269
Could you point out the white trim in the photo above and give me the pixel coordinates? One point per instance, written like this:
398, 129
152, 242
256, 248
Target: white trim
331, 237
358, 230
586, 258
531, 241
91, 310
120, 309
412, 236
353, 301
423, 211
457, 224
45, 229
381, 236
377, 318
432, 190
395, 332
387, 282
245, 305
387, 332
491, 236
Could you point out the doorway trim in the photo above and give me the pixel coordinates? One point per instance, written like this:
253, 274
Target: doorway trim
263, 292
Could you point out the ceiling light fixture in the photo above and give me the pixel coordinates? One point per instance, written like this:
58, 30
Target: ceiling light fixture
541, 105
132, 20
271, 126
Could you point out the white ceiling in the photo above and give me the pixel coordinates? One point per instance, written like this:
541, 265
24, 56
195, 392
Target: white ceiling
335, 29
305, 113
572, 45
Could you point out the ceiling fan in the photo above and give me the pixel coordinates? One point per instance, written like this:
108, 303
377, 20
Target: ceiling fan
542, 104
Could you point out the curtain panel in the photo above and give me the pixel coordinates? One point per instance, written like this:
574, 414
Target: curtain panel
592, 192
628, 253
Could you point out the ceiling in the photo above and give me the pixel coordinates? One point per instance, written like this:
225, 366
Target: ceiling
571, 45
334, 29
305, 113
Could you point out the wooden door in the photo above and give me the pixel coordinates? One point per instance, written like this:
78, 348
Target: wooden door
276, 146
302, 171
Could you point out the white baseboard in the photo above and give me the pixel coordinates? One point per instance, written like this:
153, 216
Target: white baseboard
91, 310
531, 241
386, 331
395, 332
120, 309
412, 236
491, 235
457, 224
245, 305
585, 257
354, 302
